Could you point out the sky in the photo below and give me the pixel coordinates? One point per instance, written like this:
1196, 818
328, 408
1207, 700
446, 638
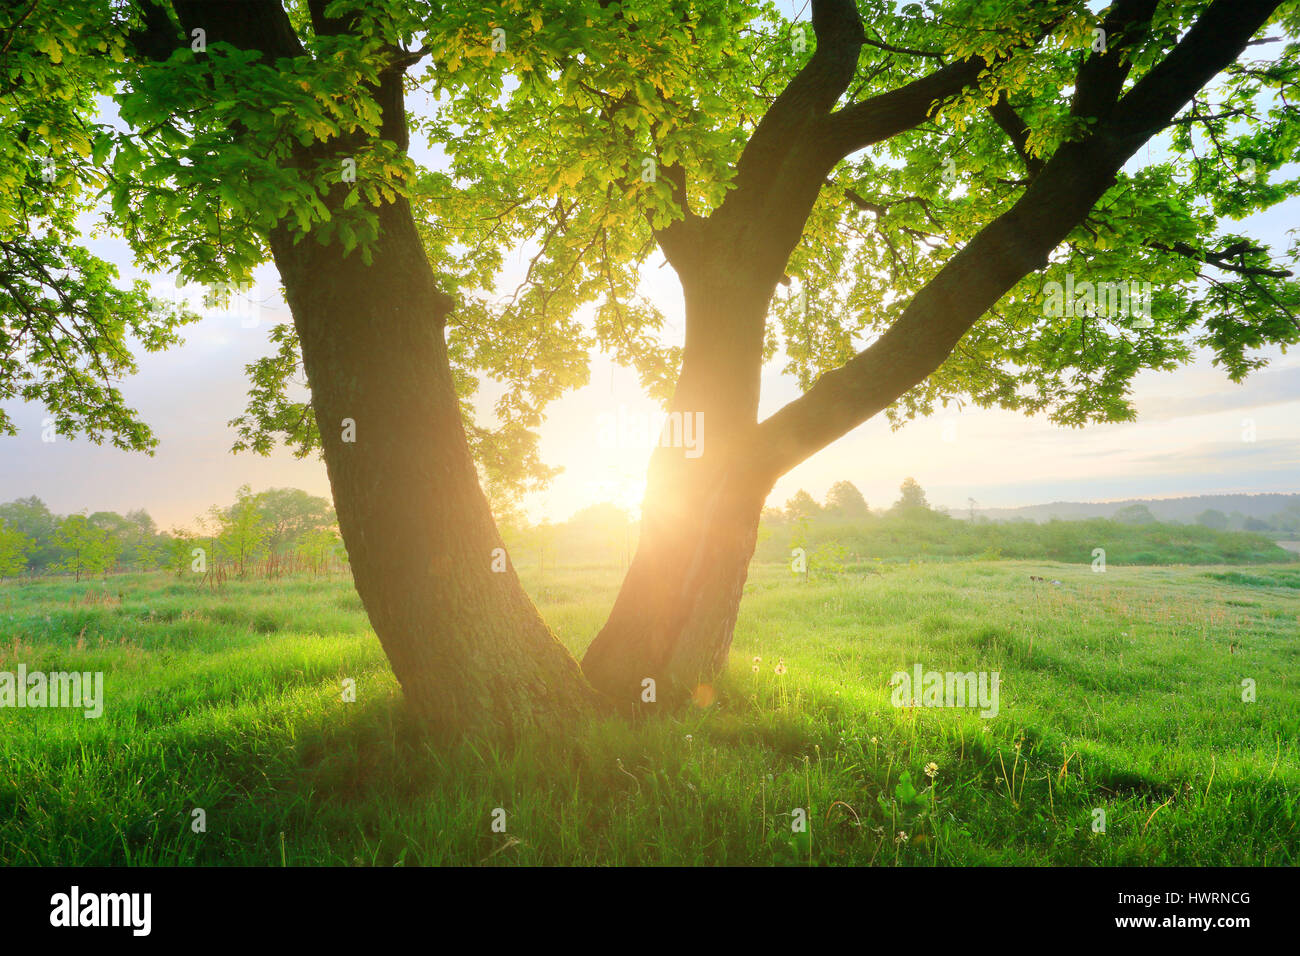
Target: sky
1196, 433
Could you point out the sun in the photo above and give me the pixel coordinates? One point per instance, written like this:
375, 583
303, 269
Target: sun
629, 493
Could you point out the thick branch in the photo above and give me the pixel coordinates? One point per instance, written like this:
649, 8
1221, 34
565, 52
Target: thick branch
1013, 245
876, 119
1101, 76
809, 95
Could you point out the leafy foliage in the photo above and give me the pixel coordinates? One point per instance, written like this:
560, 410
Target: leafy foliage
580, 133
68, 329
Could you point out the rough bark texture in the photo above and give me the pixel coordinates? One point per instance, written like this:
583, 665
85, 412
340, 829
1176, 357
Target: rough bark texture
466, 643
470, 650
673, 618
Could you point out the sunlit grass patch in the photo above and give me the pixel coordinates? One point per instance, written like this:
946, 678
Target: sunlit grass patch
1120, 693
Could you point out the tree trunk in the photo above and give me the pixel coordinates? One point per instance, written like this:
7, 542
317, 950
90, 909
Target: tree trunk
675, 613
673, 618
470, 650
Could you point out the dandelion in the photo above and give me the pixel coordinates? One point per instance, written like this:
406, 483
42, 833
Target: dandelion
900, 839
689, 738
780, 667
757, 661
875, 740
932, 770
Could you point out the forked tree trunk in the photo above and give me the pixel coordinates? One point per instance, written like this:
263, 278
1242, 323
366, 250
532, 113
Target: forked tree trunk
470, 650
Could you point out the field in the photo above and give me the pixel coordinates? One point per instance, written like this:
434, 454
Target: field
1120, 692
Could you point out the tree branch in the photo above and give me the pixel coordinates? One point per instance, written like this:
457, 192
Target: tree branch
1220, 259
1011, 246
1101, 76
1009, 120
809, 95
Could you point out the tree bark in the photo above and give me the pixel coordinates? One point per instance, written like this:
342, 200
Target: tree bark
470, 650
674, 617
467, 645
675, 612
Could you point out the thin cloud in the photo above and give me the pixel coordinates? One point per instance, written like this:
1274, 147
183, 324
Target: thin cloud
1273, 387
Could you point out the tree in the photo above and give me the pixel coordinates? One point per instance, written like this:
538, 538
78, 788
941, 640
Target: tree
14, 546
144, 547
1288, 519
290, 515
1035, 109
802, 505
844, 500
319, 546
178, 554
1213, 519
252, 131
1135, 514
86, 549
911, 498
750, 157
32, 518
242, 531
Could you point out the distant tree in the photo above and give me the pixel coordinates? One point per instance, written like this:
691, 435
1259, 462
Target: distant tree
14, 546
1288, 519
318, 547
178, 552
123, 532
911, 498
243, 532
144, 546
1135, 514
845, 501
86, 548
802, 505
1213, 519
31, 516
1256, 524
291, 513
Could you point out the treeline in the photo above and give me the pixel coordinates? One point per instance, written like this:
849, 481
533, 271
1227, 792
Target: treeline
285, 530
844, 531
267, 534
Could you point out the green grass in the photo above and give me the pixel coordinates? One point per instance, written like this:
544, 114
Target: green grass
934, 535
1120, 691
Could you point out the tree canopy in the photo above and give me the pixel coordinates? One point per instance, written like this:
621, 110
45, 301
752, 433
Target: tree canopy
593, 133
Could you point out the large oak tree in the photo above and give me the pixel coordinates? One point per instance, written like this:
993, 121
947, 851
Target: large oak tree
918, 184
912, 176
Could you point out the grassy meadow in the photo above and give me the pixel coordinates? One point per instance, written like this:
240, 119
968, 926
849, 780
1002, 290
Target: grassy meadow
1120, 691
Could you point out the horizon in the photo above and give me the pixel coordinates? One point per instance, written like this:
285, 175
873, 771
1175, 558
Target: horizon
954, 509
